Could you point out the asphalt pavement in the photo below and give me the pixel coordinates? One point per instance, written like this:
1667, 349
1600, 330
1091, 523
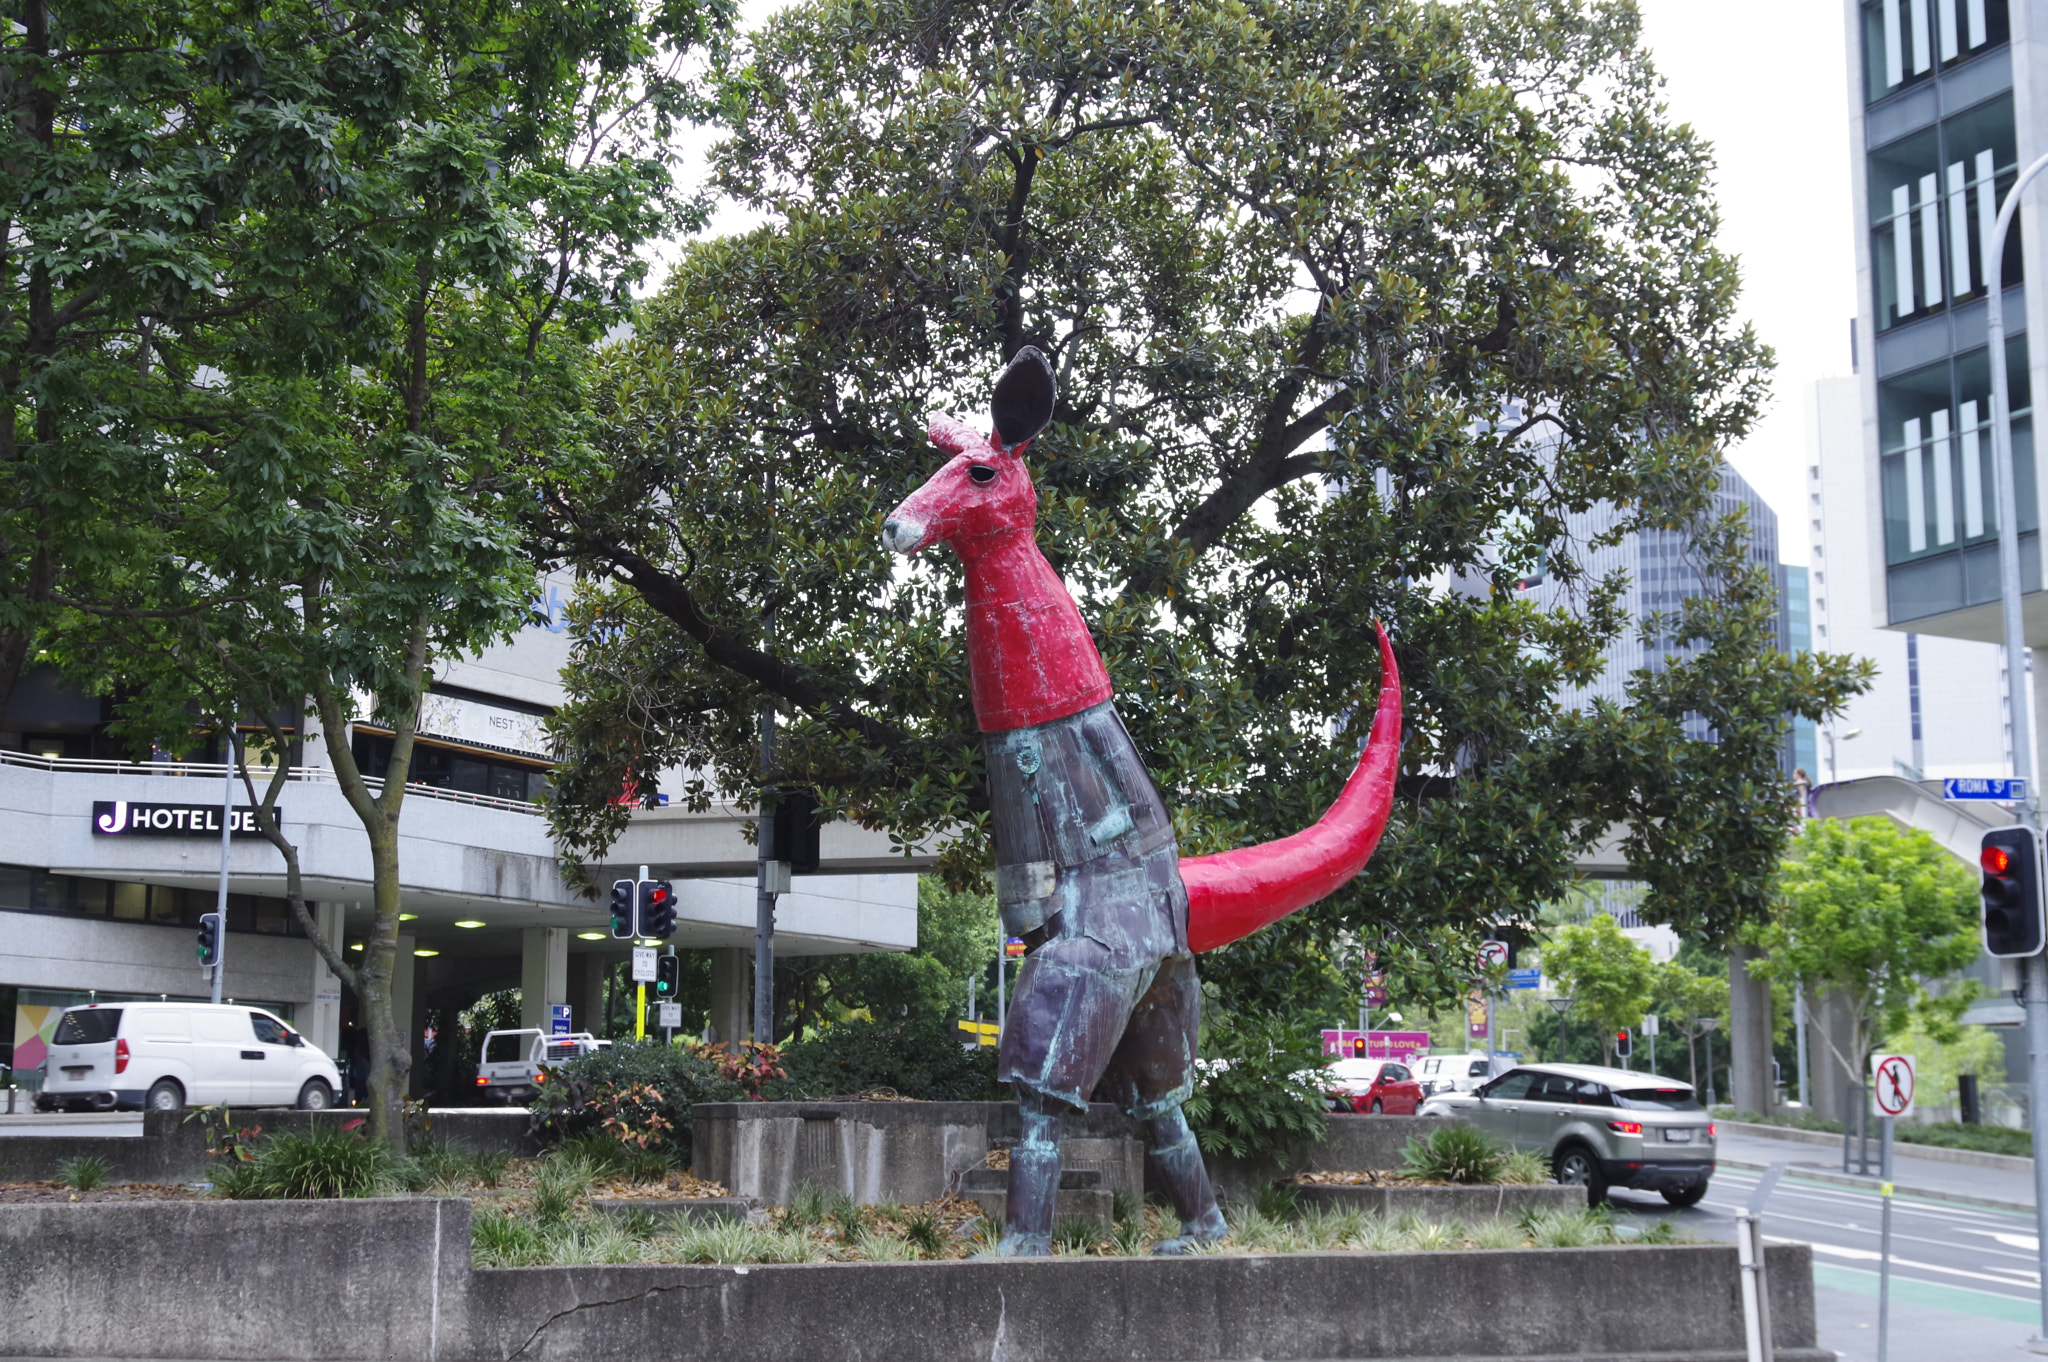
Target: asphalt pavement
1965, 1283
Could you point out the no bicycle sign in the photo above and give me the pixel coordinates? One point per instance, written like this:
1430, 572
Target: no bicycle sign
1891, 1081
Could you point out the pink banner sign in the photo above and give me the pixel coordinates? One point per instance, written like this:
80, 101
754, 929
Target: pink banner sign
1404, 1046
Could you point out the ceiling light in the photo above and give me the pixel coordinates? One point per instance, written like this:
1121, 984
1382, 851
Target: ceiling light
355, 945
407, 917
586, 936
469, 922
426, 952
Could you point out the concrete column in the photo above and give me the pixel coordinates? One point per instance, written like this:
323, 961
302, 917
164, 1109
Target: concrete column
1828, 1017
732, 990
1749, 1035
586, 992
543, 973
322, 1021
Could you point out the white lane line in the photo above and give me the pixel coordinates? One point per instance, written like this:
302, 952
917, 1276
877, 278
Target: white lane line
2019, 1279
1780, 1217
1860, 1196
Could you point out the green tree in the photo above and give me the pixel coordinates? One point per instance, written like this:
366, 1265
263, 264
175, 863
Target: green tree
1348, 301
958, 935
1867, 913
482, 198
1610, 978
1691, 1004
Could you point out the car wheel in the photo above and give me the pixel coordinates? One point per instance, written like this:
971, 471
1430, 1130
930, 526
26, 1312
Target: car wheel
1378, 1107
315, 1096
164, 1095
1575, 1166
1685, 1196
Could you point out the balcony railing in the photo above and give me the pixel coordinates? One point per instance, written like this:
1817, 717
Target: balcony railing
202, 770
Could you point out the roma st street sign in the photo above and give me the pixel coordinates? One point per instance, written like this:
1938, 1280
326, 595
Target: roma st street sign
128, 818
1985, 787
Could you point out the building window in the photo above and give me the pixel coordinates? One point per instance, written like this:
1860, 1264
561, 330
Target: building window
1934, 200
450, 768
25, 889
1906, 41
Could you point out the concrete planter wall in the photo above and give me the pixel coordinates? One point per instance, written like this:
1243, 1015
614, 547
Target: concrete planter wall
173, 1149
390, 1279
877, 1152
1444, 1203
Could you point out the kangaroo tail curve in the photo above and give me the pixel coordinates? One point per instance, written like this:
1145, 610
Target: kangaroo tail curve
1234, 893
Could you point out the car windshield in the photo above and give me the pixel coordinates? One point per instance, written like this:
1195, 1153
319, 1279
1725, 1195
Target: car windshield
88, 1026
1657, 1099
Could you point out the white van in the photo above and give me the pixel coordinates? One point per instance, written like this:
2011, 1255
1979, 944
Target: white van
163, 1056
1459, 1072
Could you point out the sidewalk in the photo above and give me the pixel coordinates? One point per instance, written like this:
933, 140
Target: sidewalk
1999, 1187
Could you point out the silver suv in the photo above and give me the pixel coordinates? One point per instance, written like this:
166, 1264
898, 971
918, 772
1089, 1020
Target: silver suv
1600, 1128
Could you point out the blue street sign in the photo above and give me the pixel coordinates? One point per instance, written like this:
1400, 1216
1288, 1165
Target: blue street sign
1984, 787
1525, 978
558, 1019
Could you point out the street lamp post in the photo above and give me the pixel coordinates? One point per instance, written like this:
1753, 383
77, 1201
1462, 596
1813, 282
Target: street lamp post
1563, 1005
1833, 773
2035, 976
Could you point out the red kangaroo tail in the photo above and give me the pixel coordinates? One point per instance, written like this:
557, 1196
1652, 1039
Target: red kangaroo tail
1234, 893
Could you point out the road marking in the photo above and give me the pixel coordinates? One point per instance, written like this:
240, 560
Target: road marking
2018, 1278
1930, 1206
2031, 1243
1961, 1300
1782, 1216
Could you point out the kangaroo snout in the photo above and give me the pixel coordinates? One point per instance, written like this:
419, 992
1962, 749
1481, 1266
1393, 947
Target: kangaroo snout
902, 534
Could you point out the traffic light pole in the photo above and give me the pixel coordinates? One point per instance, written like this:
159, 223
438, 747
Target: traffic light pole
2034, 996
227, 824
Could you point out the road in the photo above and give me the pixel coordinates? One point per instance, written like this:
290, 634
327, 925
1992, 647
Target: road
1964, 1278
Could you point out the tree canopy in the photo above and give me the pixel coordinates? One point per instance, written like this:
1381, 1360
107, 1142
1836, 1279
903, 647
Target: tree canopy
1869, 912
1352, 306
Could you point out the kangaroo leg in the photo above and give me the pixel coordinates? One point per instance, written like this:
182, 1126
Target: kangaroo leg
1034, 1183
1178, 1160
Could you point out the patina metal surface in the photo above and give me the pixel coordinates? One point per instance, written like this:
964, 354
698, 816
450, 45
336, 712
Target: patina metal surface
1087, 870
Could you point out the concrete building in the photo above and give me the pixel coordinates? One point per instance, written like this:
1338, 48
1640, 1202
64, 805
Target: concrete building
106, 865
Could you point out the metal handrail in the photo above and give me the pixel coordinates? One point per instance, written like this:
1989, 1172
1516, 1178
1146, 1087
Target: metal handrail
214, 770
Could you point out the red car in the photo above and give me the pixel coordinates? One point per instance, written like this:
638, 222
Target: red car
1374, 1086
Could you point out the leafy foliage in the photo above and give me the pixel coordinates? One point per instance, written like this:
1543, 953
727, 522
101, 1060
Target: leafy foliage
1454, 1153
1259, 1089
634, 1085
1867, 913
1347, 300
1610, 977
86, 1173
325, 1163
920, 1059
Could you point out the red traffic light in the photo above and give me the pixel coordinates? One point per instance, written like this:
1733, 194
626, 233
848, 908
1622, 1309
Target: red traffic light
1358, 1046
1995, 860
659, 895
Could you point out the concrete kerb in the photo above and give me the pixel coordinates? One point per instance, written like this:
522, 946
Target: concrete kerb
391, 1279
1934, 1153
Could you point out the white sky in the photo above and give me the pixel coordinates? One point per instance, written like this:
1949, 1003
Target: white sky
1776, 109
1776, 113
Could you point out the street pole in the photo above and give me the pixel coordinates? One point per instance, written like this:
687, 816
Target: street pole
1884, 1266
1799, 1031
227, 824
2035, 977
764, 836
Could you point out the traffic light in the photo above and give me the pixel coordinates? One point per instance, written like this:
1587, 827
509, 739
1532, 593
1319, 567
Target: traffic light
2011, 858
1624, 1043
668, 977
657, 909
625, 921
209, 940
796, 831
1358, 1047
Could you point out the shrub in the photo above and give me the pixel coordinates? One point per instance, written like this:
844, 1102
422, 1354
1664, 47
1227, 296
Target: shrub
1260, 1089
1524, 1168
1453, 1154
86, 1173
326, 1163
918, 1058
626, 1090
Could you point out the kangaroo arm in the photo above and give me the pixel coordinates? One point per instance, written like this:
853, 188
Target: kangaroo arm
1234, 893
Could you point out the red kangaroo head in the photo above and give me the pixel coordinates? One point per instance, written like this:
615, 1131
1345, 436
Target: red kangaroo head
984, 490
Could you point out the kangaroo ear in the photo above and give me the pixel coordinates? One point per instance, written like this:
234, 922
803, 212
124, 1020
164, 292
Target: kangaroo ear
1023, 399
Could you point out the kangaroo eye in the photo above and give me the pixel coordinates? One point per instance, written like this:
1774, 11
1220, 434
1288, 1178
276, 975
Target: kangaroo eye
981, 473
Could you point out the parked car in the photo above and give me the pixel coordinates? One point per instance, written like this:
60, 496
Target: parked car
1599, 1128
1372, 1086
509, 1069
163, 1056
1459, 1072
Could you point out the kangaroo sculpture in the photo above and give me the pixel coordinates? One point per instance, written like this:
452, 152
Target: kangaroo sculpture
1088, 872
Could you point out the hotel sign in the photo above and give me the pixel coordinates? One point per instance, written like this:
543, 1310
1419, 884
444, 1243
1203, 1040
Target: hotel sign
127, 818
